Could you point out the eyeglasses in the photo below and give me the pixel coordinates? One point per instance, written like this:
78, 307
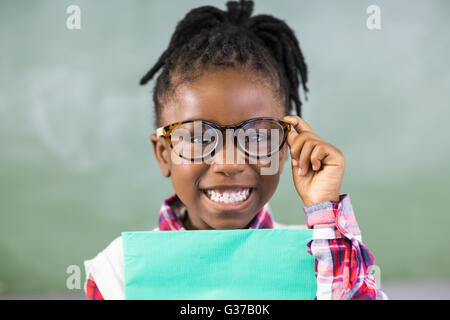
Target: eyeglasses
200, 139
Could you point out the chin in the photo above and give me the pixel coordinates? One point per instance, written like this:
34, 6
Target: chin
230, 224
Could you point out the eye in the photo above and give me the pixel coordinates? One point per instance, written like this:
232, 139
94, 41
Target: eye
256, 137
202, 139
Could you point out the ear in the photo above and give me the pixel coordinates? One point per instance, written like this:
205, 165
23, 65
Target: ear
162, 153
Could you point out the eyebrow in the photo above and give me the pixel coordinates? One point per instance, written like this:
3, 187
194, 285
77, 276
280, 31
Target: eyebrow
223, 125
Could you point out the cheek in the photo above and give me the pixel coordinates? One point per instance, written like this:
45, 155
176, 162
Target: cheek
268, 184
274, 166
185, 179
283, 157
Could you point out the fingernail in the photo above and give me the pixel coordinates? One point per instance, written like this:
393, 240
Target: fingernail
299, 171
294, 162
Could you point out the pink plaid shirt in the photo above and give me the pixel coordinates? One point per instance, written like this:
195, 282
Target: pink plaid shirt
342, 261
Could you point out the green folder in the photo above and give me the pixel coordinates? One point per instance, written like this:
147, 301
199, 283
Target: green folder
248, 264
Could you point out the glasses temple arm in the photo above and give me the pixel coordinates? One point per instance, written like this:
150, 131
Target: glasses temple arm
160, 132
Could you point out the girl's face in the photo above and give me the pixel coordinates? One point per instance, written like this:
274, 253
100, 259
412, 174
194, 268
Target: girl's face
226, 97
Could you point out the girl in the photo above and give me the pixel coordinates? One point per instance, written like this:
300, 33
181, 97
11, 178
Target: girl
228, 70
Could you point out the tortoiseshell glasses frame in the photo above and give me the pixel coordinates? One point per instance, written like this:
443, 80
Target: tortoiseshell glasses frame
166, 132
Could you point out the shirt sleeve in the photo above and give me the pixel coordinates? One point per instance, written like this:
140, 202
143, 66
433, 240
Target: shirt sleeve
91, 290
343, 264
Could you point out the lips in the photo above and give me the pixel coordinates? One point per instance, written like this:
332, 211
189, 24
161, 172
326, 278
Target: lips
228, 195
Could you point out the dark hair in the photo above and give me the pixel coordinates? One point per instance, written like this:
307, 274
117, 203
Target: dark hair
210, 37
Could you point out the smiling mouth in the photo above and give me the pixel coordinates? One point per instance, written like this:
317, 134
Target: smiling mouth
228, 195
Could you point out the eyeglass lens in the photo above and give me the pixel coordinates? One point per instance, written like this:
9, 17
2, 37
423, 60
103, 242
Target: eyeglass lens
197, 139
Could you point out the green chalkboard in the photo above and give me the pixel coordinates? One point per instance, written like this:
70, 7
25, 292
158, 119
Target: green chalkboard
77, 167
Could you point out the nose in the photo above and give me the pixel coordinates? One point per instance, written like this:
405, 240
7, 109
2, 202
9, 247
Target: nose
228, 170
228, 160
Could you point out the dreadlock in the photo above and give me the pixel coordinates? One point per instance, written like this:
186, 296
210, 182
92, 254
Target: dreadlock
208, 37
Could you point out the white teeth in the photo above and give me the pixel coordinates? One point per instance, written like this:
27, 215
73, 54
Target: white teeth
228, 197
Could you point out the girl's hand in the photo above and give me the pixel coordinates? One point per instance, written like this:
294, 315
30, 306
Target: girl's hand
317, 166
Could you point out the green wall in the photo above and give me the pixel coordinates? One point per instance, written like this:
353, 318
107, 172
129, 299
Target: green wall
77, 168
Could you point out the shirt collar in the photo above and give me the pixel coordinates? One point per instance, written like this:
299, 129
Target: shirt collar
173, 212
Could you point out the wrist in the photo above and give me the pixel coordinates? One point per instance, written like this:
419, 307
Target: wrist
311, 201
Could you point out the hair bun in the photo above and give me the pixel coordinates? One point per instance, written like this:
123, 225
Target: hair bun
239, 12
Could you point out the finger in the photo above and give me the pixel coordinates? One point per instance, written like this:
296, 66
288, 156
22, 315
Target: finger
298, 123
292, 136
305, 156
318, 154
297, 145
